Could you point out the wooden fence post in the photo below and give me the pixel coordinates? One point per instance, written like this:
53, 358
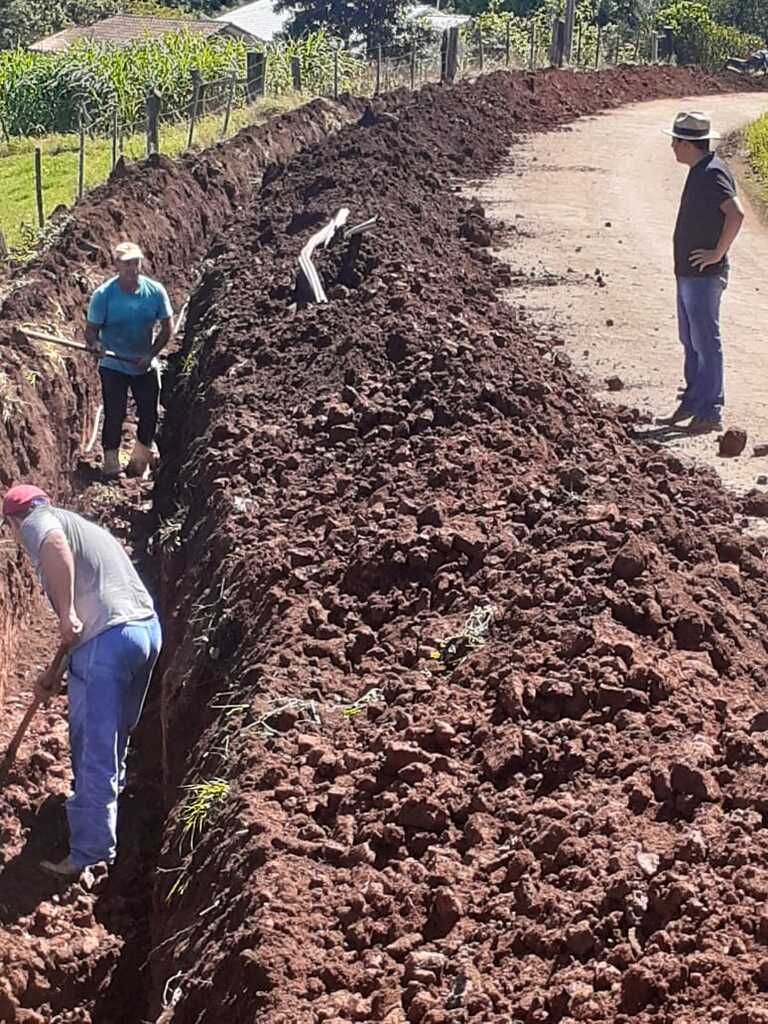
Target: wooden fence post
556, 49
570, 21
654, 48
377, 90
296, 73
256, 76
597, 45
114, 137
152, 108
481, 49
413, 66
336, 73
579, 41
81, 154
507, 44
230, 102
39, 186
532, 59
449, 50
3, 247
196, 83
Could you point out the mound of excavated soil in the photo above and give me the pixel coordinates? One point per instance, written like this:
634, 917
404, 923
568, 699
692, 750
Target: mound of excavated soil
569, 822
564, 823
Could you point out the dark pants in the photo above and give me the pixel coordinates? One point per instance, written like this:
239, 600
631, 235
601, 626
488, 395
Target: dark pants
145, 388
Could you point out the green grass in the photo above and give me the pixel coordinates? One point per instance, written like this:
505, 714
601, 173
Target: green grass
60, 163
756, 138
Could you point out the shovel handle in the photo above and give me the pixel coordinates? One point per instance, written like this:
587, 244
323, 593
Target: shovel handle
13, 749
56, 670
55, 339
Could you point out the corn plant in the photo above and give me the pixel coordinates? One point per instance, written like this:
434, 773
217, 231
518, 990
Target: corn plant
44, 93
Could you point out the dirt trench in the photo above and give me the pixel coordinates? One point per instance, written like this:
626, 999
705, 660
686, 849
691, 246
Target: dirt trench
552, 829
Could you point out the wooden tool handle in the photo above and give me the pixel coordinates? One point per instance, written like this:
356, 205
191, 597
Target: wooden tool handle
13, 749
55, 339
56, 670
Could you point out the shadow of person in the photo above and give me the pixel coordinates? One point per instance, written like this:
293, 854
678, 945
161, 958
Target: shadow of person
23, 885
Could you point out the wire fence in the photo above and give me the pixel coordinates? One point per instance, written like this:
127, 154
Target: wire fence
217, 109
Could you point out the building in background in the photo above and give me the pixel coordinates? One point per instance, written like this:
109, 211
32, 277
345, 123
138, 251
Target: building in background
260, 19
124, 29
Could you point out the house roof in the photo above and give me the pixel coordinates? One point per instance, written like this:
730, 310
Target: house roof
438, 20
259, 19
123, 29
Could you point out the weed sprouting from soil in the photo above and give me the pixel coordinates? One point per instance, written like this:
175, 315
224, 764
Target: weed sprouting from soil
202, 799
194, 817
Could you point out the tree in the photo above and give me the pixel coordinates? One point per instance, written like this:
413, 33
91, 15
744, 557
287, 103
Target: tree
375, 21
745, 15
24, 21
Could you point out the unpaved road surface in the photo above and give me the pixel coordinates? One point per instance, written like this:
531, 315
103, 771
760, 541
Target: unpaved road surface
602, 197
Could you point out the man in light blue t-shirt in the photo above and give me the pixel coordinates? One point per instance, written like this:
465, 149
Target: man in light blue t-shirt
121, 319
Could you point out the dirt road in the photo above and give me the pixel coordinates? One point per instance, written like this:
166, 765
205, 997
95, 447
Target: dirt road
593, 210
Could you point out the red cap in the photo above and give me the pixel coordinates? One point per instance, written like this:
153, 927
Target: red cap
19, 500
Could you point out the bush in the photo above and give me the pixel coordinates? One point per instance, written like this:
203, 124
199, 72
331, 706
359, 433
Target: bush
698, 39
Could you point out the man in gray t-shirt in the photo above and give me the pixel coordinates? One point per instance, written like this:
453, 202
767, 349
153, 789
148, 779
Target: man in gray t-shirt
107, 623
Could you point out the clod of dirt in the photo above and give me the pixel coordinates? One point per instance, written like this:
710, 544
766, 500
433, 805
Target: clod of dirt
733, 442
614, 383
631, 560
756, 503
760, 450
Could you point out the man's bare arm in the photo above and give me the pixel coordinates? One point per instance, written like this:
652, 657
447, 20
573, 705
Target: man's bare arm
92, 339
58, 569
164, 336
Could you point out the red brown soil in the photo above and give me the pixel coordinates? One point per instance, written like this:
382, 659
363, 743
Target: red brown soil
568, 825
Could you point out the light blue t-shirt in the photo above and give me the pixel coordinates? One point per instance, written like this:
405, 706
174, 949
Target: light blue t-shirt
127, 320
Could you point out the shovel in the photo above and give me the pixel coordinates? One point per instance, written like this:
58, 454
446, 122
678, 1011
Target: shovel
54, 339
55, 672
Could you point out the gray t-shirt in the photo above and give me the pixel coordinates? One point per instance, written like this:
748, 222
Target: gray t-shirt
108, 590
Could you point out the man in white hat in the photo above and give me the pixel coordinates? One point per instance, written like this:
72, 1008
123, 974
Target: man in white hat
709, 220
122, 316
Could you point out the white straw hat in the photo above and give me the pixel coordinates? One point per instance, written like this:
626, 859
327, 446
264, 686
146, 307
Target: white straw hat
691, 126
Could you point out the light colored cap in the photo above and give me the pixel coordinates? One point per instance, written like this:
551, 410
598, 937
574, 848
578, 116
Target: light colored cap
691, 126
127, 251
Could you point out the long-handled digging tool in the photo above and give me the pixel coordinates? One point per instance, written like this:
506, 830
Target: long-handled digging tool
30, 334
53, 674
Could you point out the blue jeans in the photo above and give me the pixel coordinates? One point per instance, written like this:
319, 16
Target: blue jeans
698, 317
108, 681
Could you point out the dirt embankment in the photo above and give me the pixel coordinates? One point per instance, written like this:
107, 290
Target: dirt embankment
570, 823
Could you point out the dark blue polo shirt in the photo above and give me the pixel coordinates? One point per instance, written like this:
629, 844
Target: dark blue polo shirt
700, 220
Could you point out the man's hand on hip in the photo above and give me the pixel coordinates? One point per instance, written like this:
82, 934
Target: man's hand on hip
702, 258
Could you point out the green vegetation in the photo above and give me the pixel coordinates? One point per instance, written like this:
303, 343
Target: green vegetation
60, 158
195, 817
756, 138
44, 93
700, 39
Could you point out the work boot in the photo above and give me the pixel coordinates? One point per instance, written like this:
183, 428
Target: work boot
680, 414
64, 869
141, 460
110, 468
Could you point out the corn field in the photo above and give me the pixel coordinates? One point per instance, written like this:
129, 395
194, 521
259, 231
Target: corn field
42, 94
